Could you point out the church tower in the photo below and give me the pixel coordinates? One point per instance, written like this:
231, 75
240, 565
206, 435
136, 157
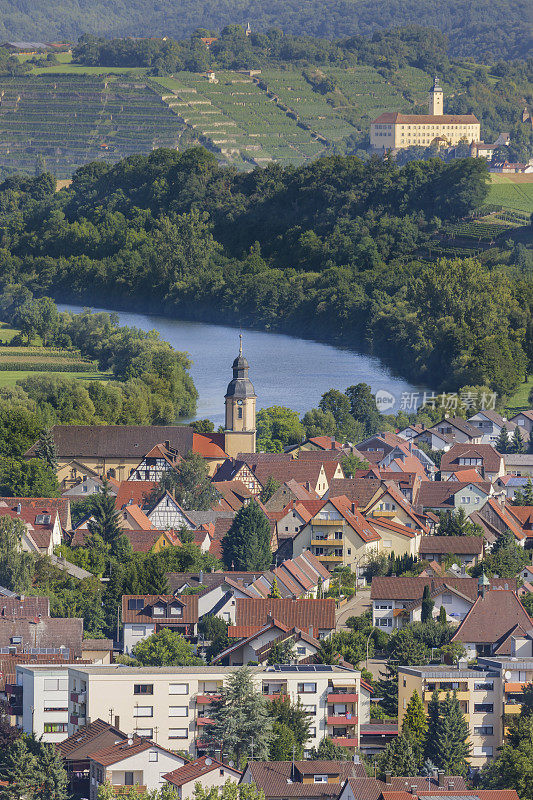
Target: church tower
240, 409
436, 99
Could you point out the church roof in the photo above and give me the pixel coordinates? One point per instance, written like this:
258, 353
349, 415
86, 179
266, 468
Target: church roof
442, 119
241, 386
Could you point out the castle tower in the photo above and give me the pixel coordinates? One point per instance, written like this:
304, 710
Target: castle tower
240, 409
436, 99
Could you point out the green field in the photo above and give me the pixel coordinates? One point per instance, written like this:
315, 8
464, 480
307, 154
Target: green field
10, 378
520, 399
512, 194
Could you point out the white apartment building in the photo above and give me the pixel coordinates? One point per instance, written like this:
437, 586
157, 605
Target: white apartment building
171, 704
44, 701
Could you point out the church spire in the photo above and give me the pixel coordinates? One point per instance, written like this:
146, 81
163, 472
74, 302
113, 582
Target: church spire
240, 345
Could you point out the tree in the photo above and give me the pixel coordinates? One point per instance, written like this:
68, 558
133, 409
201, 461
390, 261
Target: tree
351, 463
190, 483
433, 721
505, 559
203, 426
282, 653
46, 449
278, 424
517, 444
53, 780
165, 648
275, 593
270, 488
283, 745
32, 478
16, 566
319, 423
240, 715
293, 715
415, 727
442, 618
398, 758
524, 498
427, 605
230, 790
327, 652
214, 630
329, 751
457, 524
363, 407
502, 443
20, 770
105, 521
246, 546
453, 747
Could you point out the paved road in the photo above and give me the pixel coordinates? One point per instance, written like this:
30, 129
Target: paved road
353, 608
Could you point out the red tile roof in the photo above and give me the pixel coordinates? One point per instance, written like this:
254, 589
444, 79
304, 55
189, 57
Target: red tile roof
363, 527
189, 603
116, 753
59, 504
401, 588
135, 492
490, 456
492, 618
209, 445
95, 736
303, 614
195, 770
464, 545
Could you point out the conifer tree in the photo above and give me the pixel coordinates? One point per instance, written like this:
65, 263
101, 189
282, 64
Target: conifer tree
105, 522
246, 546
53, 780
502, 443
241, 721
274, 591
415, 727
398, 758
427, 605
433, 721
453, 747
46, 449
517, 444
20, 771
442, 618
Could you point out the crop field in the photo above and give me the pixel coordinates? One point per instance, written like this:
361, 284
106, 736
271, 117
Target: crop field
73, 119
513, 191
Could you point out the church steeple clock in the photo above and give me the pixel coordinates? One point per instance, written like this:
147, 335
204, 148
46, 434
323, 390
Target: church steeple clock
240, 400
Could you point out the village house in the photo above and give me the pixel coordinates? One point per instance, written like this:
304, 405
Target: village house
209, 772
415, 788
256, 647
337, 534
452, 495
467, 550
524, 419
389, 503
491, 424
313, 780
519, 464
483, 457
316, 617
143, 615
75, 751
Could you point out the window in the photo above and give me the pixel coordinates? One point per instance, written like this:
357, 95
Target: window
309, 709
320, 778
349, 551
135, 604
485, 750
16, 640
178, 733
55, 684
143, 711
338, 534
484, 687
145, 733
483, 708
176, 611
178, 711
300, 651
153, 755
138, 630
384, 606
55, 708
158, 611
483, 730
143, 688
312, 732
178, 688
306, 688
384, 622
128, 779
55, 727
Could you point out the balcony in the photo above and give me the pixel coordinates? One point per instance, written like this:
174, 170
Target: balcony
512, 708
317, 521
204, 721
205, 699
342, 719
345, 741
342, 697
328, 557
461, 695
78, 697
330, 542
118, 790
77, 719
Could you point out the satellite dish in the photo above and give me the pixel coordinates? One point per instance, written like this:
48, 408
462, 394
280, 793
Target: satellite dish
208, 761
508, 675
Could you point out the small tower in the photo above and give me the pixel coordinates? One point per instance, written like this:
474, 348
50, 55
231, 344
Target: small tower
240, 409
436, 99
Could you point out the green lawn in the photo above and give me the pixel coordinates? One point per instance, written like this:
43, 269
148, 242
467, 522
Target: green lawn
6, 333
10, 378
520, 398
517, 196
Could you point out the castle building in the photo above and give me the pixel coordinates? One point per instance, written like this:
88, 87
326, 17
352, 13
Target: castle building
240, 398
395, 131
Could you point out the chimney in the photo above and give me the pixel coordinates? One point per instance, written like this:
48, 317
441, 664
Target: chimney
167, 444
333, 443
19, 508
353, 508
388, 779
440, 776
310, 630
201, 576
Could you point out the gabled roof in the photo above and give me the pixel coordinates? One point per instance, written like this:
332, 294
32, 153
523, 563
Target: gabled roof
303, 614
440, 494
396, 118
402, 588
395, 527
461, 545
273, 777
364, 788
492, 617
116, 753
117, 441
508, 519
325, 443
460, 424
42, 505
195, 771
355, 519
490, 457
136, 492
44, 632
209, 445
92, 737
138, 517
189, 604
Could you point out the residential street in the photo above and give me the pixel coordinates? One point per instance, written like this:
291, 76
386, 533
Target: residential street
354, 608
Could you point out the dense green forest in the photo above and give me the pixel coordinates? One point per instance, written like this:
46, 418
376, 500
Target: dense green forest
482, 29
329, 250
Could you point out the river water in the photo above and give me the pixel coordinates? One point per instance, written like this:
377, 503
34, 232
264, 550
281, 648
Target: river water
285, 370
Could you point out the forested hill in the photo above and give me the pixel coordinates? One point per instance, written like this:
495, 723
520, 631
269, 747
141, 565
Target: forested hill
481, 29
330, 249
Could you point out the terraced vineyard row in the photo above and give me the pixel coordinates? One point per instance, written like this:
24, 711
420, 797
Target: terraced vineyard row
74, 119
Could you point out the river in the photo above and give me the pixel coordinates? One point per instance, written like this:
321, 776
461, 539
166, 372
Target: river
285, 370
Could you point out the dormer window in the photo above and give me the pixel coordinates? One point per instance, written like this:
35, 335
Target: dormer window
176, 610
43, 519
158, 610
